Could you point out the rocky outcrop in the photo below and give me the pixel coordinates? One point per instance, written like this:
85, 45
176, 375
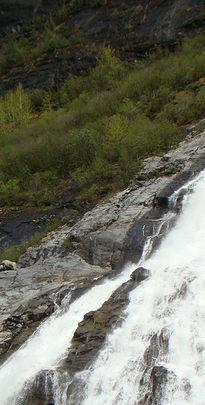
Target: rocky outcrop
133, 29
18, 224
87, 341
154, 377
15, 14
91, 332
50, 71
99, 245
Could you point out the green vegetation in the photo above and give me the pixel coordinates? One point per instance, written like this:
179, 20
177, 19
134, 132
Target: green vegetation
19, 52
15, 251
15, 110
69, 243
95, 131
46, 35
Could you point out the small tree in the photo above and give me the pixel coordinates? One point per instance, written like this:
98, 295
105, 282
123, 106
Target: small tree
15, 109
115, 133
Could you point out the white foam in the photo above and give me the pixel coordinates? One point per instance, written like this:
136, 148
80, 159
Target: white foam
157, 304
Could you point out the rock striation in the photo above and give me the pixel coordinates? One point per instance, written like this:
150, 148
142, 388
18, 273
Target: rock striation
92, 330
132, 29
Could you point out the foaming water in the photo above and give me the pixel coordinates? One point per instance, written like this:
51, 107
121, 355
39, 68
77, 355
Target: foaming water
172, 301
48, 345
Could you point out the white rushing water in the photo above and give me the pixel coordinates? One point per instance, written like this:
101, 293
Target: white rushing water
172, 300
154, 305
45, 348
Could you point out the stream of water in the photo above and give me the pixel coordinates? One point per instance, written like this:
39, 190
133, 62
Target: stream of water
172, 300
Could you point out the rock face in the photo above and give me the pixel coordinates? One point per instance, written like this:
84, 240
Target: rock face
154, 377
91, 332
49, 71
17, 224
88, 338
133, 29
99, 245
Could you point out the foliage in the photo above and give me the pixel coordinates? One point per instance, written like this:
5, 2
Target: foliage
50, 43
68, 243
96, 130
9, 192
116, 133
18, 52
15, 110
109, 71
14, 53
15, 251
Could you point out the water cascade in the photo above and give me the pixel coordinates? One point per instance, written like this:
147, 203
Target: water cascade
163, 336
158, 354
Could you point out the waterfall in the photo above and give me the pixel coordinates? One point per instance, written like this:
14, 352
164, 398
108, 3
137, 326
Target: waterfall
165, 323
49, 343
164, 326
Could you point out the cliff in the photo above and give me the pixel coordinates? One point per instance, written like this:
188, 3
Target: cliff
73, 258
83, 253
133, 30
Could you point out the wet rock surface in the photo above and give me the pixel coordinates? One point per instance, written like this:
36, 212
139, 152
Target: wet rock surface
91, 332
17, 224
154, 377
112, 233
87, 341
159, 378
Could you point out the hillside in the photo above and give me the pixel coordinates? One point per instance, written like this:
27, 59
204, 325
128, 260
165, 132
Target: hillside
45, 41
102, 132
90, 90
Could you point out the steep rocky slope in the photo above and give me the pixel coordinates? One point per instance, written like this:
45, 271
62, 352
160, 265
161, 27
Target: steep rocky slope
133, 29
75, 258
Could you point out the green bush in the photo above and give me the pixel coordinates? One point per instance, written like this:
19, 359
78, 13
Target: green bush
15, 110
97, 3
14, 53
109, 71
9, 192
80, 148
76, 37
96, 130
92, 3
37, 97
50, 42
115, 135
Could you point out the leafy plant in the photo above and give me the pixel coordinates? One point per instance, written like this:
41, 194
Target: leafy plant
95, 130
15, 109
14, 53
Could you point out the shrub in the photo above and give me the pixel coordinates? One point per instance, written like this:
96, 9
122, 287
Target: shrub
115, 133
97, 3
80, 148
9, 192
76, 37
112, 119
100, 170
15, 109
14, 53
109, 70
68, 243
37, 97
73, 87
